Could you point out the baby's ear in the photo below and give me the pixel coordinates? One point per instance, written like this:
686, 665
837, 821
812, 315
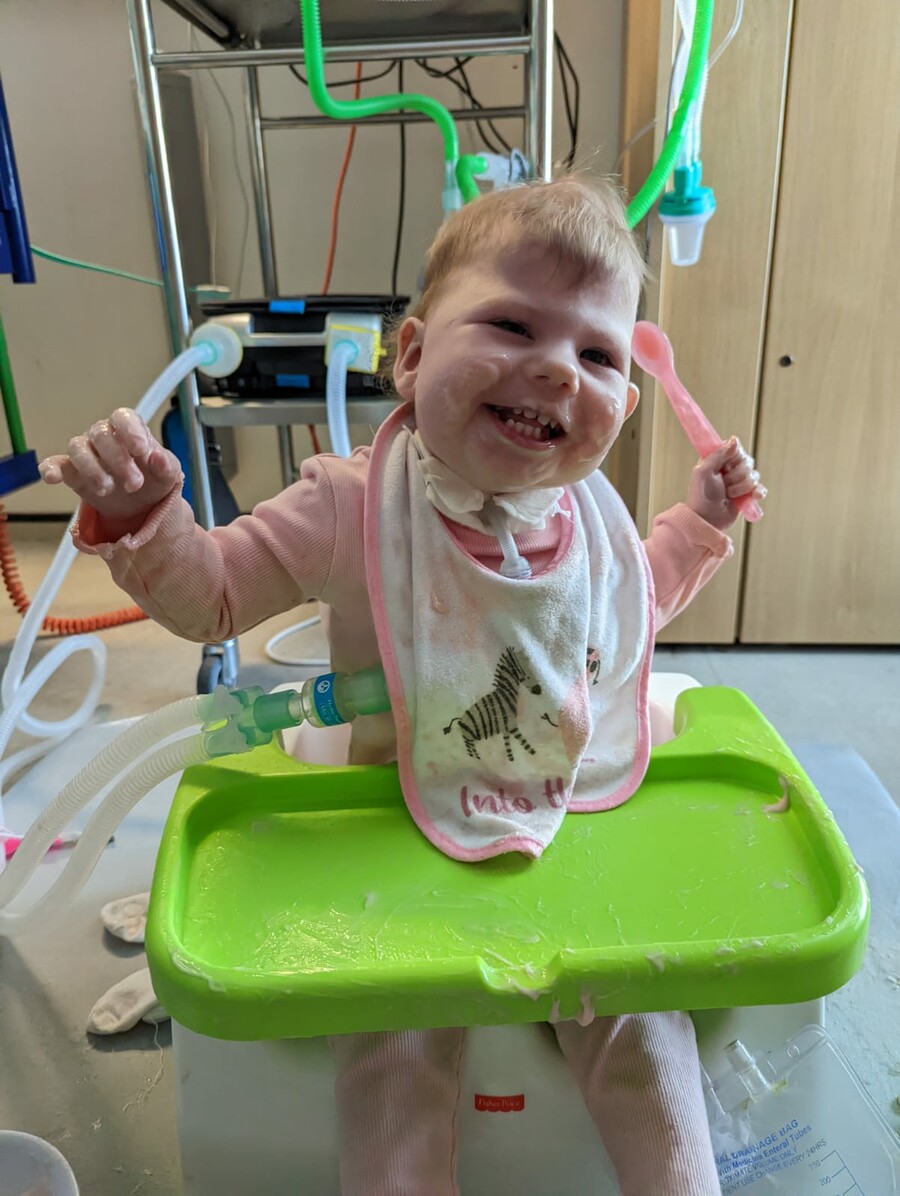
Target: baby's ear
409, 355
632, 399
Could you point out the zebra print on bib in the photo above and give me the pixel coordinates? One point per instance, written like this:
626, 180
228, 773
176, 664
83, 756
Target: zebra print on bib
515, 701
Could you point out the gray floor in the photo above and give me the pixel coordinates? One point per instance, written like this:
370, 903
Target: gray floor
109, 1104
844, 696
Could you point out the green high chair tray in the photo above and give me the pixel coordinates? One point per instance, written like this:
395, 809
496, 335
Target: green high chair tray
291, 900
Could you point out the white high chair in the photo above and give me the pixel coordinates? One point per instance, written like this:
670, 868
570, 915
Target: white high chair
260, 1115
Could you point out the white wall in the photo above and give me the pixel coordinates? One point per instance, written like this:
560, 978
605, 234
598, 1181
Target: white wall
82, 344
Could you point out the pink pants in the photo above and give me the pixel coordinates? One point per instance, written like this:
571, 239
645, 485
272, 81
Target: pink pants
398, 1095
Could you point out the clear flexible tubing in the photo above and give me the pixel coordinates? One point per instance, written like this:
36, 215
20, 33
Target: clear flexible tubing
726, 41
273, 652
339, 361
691, 147
713, 59
18, 691
138, 781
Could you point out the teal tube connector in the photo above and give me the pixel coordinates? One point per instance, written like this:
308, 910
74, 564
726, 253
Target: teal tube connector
688, 197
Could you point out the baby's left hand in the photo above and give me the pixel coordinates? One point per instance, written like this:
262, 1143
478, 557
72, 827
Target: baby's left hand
725, 475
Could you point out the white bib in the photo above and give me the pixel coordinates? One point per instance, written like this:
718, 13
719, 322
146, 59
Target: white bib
514, 700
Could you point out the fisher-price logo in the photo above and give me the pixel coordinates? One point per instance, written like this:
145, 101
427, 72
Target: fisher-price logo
499, 1104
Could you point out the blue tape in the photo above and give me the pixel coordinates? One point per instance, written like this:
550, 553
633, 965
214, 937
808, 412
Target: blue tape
301, 381
323, 696
288, 306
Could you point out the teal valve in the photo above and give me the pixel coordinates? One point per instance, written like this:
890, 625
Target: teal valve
688, 197
685, 212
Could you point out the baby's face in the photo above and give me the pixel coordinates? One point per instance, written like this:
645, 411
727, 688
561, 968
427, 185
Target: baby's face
519, 375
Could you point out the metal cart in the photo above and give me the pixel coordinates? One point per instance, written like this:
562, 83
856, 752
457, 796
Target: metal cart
259, 33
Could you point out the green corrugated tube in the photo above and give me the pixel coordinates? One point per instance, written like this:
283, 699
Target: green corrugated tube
457, 171
693, 79
10, 402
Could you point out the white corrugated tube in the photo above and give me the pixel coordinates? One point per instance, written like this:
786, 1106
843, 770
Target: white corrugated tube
215, 350
127, 790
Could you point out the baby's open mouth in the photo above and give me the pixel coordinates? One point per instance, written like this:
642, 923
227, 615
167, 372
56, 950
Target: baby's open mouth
527, 422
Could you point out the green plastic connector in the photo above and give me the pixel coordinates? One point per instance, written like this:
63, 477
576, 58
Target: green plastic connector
237, 720
227, 740
275, 712
232, 727
218, 706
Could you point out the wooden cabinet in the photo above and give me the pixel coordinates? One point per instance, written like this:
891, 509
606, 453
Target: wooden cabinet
788, 330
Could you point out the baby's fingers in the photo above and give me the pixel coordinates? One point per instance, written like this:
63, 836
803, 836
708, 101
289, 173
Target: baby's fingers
748, 485
59, 468
51, 470
76, 481
722, 457
93, 479
132, 433
116, 459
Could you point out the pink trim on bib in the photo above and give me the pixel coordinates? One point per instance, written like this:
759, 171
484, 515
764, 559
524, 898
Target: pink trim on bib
392, 671
642, 755
374, 511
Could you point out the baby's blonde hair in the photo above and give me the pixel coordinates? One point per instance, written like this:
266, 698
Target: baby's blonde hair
579, 218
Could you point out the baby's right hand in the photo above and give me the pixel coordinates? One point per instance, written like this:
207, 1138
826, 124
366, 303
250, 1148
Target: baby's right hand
117, 467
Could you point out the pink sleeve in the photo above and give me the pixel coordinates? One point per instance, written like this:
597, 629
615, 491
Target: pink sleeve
684, 552
210, 586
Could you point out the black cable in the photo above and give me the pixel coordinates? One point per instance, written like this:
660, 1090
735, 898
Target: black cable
401, 205
465, 88
476, 103
567, 104
573, 107
344, 82
449, 75
564, 54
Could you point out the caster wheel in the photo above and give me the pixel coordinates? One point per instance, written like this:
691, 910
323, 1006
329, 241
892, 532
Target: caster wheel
209, 674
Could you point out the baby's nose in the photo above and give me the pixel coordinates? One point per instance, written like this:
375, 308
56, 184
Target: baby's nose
554, 370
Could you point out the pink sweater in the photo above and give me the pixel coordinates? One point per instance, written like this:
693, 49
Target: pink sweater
308, 543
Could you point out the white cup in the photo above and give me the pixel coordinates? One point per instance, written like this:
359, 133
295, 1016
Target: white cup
30, 1166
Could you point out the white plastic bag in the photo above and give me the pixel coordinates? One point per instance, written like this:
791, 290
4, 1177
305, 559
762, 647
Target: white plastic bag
799, 1122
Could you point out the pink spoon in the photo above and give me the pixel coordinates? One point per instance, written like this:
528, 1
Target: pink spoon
652, 350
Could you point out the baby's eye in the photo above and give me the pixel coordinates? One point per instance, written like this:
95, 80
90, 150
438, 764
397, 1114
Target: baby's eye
598, 357
511, 326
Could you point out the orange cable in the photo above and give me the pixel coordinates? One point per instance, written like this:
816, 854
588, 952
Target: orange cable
335, 213
339, 190
11, 579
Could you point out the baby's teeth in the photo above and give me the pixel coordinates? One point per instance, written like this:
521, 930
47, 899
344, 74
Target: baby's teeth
517, 410
529, 413
524, 429
543, 419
